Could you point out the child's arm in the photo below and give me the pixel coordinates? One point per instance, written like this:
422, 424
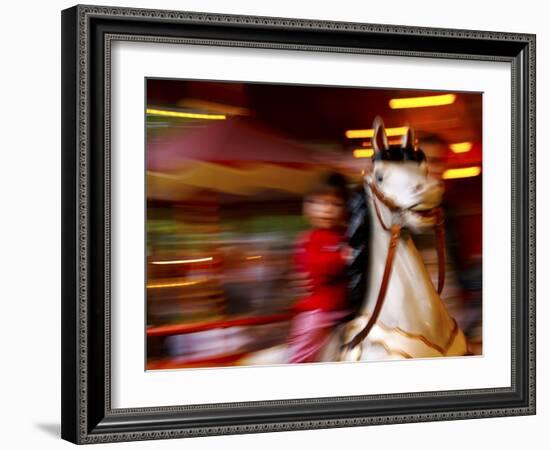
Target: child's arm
328, 263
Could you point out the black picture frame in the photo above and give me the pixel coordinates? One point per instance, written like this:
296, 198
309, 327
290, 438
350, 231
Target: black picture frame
87, 33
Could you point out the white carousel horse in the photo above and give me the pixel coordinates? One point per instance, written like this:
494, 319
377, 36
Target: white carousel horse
410, 320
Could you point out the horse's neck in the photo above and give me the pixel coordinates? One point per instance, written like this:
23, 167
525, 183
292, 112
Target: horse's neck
411, 301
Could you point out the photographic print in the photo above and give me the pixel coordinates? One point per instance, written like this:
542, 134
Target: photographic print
290, 224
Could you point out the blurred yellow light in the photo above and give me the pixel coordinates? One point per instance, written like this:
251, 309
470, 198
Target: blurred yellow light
254, 257
219, 108
461, 147
363, 152
368, 133
421, 102
183, 261
395, 141
464, 172
185, 115
176, 284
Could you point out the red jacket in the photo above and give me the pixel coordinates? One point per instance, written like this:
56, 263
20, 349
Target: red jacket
319, 253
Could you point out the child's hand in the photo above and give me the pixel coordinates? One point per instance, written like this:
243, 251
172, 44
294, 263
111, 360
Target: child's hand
347, 253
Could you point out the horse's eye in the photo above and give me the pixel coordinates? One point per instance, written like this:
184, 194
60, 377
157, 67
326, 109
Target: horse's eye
379, 177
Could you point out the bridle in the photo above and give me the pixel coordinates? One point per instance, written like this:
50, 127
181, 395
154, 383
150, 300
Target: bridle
395, 232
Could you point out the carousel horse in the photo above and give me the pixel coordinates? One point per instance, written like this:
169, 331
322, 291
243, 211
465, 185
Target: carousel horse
402, 315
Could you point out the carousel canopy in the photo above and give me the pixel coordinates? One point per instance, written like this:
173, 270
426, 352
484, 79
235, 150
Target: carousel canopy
229, 141
234, 156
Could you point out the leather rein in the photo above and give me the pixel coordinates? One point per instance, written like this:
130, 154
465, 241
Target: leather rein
395, 232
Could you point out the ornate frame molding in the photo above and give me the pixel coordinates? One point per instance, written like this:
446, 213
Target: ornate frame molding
83, 421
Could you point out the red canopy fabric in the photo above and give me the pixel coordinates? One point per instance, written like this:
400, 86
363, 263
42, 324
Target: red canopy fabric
229, 141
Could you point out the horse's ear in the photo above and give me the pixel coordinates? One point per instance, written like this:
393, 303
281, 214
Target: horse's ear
379, 138
408, 138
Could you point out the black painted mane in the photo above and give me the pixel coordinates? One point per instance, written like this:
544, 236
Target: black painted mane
398, 153
359, 236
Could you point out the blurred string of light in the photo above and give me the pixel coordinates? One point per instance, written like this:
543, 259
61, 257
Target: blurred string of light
369, 132
183, 261
460, 147
363, 152
184, 115
422, 102
395, 141
176, 284
463, 172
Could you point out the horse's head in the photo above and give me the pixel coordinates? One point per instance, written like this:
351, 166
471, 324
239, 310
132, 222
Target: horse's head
400, 175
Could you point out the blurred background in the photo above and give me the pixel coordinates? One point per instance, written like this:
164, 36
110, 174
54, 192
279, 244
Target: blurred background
227, 167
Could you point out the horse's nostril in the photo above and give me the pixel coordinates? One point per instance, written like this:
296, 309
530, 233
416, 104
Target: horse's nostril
417, 187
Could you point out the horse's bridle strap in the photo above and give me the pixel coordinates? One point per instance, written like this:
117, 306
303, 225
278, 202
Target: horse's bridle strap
395, 233
379, 215
395, 230
439, 229
383, 198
